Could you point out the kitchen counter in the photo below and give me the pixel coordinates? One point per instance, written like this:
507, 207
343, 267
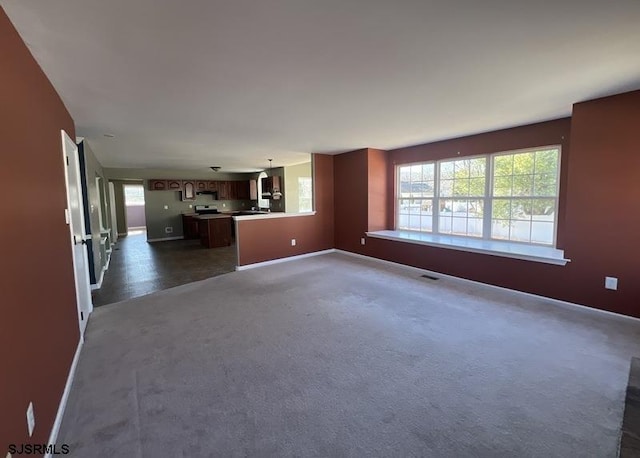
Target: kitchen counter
211, 216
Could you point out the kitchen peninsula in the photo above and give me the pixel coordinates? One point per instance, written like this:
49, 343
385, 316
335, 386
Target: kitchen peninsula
214, 230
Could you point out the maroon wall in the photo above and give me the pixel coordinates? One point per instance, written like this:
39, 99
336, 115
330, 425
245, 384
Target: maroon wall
38, 309
601, 167
603, 203
267, 239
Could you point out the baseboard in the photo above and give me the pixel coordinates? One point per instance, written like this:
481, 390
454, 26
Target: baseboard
122, 234
287, 259
165, 239
98, 285
566, 304
65, 397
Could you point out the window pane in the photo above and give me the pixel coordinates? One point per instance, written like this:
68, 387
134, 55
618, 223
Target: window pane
461, 168
520, 231
503, 165
542, 232
500, 229
475, 226
547, 161
544, 185
446, 188
476, 208
502, 185
459, 226
523, 163
477, 167
476, 187
446, 170
523, 185
521, 209
543, 209
501, 209
460, 187
428, 172
414, 222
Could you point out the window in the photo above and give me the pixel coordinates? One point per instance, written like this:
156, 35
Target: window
509, 196
133, 195
305, 194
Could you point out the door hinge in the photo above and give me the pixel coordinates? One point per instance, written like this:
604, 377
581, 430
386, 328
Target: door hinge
82, 315
67, 157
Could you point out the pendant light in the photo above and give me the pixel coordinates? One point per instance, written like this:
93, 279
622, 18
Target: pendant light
276, 190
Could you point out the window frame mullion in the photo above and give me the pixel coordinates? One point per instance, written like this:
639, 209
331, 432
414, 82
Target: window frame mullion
488, 198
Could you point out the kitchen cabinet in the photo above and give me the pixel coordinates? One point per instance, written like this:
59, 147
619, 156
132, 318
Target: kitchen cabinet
212, 185
224, 190
174, 185
158, 185
215, 231
190, 227
242, 191
201, 185
253, 189
188, 190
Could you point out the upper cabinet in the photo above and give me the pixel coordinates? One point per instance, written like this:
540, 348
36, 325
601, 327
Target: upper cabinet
188, 190
174, 185
225, 190
158, 185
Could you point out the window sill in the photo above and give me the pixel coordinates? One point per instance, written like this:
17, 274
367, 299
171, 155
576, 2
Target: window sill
548, 255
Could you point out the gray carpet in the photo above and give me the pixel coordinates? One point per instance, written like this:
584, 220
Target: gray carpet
337, 356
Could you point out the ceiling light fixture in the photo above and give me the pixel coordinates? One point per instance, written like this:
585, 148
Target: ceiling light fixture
215, 168
276, 191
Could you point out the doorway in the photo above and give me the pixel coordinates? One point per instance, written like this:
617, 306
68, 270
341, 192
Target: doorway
134, 208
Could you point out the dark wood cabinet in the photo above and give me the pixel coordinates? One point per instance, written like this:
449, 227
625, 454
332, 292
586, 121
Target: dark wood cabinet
242, 190
188, 190
158, 185
224, 190
190, 227
174, 185
215, 232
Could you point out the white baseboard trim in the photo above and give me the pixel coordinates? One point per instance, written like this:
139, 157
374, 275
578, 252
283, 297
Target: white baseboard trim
165, 239
98, 285
565, 304
122, 234
287, 259
65, 397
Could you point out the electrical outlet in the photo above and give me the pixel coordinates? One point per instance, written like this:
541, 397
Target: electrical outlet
293, 242
168, 230
166, 207
611, 283
362, 241
224, 205
190, 206
31, 419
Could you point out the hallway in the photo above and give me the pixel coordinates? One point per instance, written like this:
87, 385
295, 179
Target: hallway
138, 267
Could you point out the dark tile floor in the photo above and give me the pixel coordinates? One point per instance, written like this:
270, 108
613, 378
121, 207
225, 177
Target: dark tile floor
138, 267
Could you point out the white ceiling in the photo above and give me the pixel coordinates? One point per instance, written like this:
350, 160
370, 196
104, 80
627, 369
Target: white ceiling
189, 84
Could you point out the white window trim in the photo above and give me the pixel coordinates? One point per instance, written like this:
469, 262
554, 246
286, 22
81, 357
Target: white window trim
487, 198
523, 251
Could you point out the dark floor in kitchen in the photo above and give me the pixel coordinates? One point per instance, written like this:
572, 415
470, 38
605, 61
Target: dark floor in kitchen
138, 267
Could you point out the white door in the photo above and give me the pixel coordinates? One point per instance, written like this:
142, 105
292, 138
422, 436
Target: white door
112, 207
75, 219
